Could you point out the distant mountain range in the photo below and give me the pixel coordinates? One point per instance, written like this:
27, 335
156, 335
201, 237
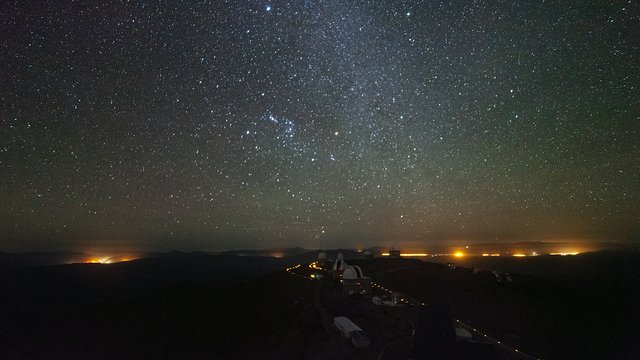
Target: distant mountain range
41, 258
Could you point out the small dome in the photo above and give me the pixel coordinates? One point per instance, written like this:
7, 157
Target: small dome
322, 256
340, 256
350, 273
358, 271
367, 253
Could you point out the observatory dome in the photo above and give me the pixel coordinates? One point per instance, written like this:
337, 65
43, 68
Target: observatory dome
349, 273
322, 256
352, 273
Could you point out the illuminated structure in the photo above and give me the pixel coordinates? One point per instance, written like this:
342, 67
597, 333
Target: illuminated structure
353, 280
394, 254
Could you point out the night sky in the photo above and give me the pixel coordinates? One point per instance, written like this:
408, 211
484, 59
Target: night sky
209, 125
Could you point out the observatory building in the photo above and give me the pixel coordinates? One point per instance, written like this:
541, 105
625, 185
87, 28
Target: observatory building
353, 280
322, 258
339, 264
349, 330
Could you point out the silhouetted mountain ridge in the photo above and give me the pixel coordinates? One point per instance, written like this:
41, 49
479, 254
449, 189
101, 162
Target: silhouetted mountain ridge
73, 282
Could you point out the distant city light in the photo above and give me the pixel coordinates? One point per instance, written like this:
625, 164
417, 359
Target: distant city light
460, 254
103, 260
564, 253
409, 254
108, 260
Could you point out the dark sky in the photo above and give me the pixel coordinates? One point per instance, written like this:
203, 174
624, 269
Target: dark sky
228, 124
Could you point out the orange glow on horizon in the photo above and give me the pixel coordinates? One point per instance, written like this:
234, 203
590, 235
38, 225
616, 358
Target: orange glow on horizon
102, 260
408, 254
458, 254
108, 259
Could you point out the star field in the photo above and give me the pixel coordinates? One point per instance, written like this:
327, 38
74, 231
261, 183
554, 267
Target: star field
225, 124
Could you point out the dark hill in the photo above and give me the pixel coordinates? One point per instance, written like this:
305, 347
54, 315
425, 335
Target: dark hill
83, 281
196, 307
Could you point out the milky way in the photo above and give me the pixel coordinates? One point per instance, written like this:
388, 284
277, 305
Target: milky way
212, 125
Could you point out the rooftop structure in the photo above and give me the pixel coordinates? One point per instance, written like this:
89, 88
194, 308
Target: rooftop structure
350, 330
